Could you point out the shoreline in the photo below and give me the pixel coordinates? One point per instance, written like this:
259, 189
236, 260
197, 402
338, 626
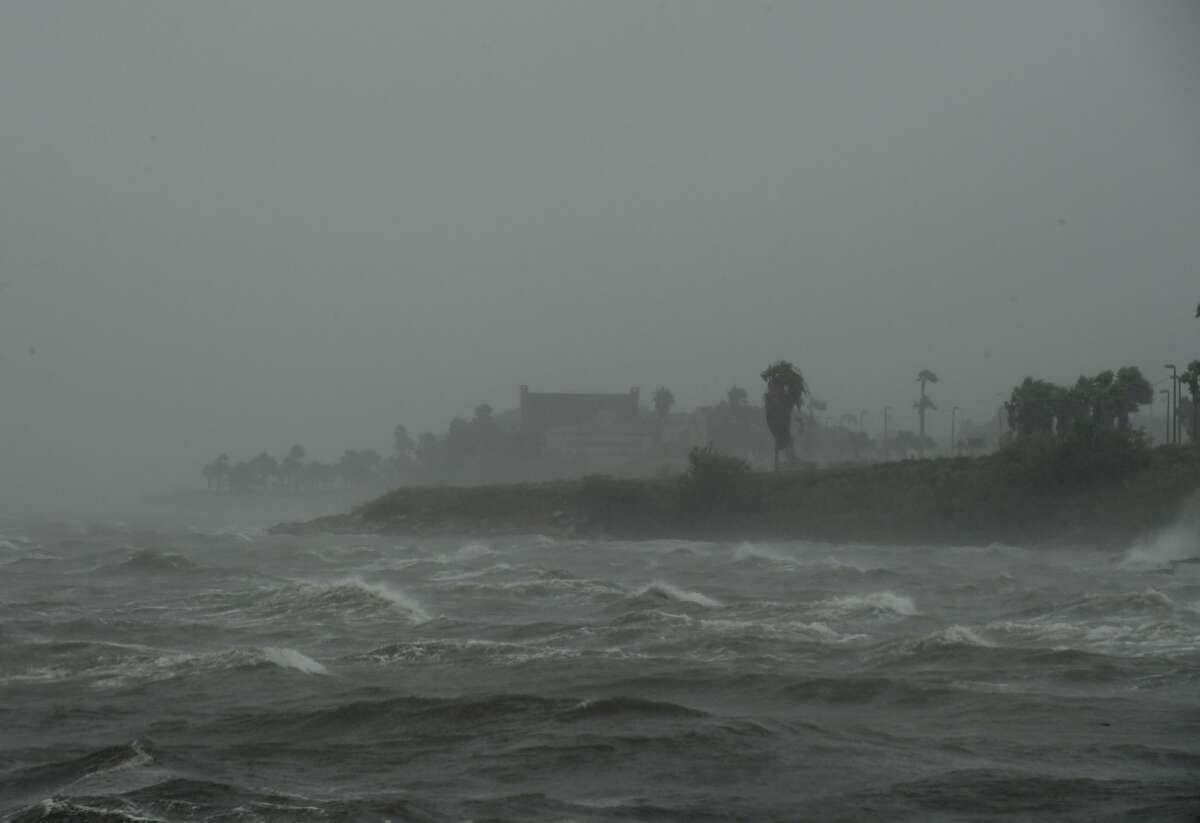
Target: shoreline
945, 501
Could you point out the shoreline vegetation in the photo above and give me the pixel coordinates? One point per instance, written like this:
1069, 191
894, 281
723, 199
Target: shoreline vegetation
1035, 491
1071, 469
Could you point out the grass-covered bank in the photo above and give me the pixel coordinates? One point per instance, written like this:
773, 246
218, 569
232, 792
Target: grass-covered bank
1020, 496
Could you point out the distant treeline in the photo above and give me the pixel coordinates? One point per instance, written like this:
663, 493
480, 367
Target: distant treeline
1096, 411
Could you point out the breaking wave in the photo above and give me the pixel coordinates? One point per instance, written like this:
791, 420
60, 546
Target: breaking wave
665, 591
154, 561
350, 596
1179, 543
874, 605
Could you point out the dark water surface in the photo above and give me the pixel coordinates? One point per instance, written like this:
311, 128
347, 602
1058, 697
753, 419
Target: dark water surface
222, 676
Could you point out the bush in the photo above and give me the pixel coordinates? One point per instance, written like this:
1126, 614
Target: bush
718, 490
1081, 460
620, 505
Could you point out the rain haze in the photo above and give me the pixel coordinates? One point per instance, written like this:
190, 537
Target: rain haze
599, 411
231, 227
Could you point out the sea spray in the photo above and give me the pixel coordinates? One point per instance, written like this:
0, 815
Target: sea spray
1176, 543
292, 659
665, 591
874, 604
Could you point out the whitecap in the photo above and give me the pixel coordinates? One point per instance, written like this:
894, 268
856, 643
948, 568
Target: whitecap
1169, 546
872, 604
397, 598
292, 659
745, 551
666, 591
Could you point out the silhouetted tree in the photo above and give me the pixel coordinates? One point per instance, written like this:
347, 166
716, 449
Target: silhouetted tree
1089, 409
923, 405
216, 473
785, 391
263, 468
292, 466
358, 468
401, 464
1191, 378
428, 454
1032, 407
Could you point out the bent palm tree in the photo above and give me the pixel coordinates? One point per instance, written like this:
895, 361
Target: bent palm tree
923, 405
785, 391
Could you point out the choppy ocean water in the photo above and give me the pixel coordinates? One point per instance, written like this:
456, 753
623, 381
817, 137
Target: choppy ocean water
221, 675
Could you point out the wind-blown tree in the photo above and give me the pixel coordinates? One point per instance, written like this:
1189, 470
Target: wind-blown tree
263, 468
1191, 378
1093, 406
399, 466
664, 398
428, 453
402, 442
292, 467
923, 405
216, 473
358, 468
242, 478
1033, 407
785, 391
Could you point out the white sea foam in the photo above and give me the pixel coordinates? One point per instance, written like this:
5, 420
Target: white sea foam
64, 809
950, 638
399, 599
471, 551
1171, 545
668, 592
292, 659
756, 551
872, 604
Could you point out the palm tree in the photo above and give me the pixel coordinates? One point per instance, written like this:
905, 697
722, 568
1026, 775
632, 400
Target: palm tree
664, 398
291, 467
216, 473
923, 405
263, 468
1191, 378
785, 391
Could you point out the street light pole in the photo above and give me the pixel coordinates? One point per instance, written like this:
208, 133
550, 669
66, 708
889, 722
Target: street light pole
953, 420
1166, 404
1174, 437
886, 409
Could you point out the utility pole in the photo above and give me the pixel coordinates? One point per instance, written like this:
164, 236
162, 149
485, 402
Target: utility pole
886, 409
953, 442
1166, 405
1174, 437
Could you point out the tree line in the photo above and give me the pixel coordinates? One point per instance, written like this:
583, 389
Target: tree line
790, 423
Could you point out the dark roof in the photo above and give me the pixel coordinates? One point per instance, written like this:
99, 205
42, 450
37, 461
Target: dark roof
547, 410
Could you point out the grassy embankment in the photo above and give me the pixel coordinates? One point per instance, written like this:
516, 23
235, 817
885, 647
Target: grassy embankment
1006, 497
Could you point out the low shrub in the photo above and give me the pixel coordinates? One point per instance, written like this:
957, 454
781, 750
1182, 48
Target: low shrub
621, 505
718, 490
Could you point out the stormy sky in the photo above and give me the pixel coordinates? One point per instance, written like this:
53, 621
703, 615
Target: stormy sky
237, 225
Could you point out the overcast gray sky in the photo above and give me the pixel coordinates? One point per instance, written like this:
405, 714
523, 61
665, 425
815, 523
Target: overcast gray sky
232, 225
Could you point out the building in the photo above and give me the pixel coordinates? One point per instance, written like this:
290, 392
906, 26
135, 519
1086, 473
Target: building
595, 431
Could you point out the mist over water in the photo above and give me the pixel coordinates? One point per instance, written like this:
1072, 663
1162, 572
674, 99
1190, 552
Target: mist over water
238, 240
213, 674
